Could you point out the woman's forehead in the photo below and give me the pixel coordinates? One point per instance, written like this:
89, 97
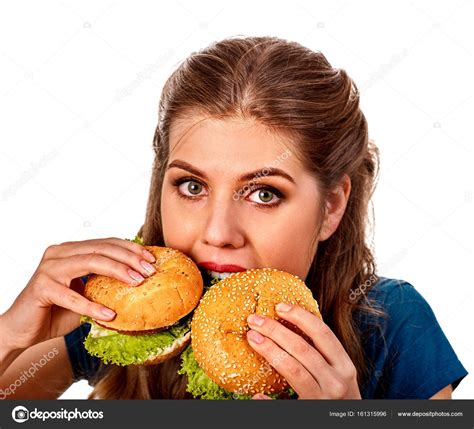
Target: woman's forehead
230, 142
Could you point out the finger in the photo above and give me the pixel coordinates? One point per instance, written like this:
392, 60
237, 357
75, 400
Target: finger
260, 396
321, 334
106, 247
70, 248
325, 375
292, 343
133, 247
63, 321
58, 294
80, 265
296, 374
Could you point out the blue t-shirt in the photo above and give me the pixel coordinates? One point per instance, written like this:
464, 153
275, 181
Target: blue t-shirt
408, 355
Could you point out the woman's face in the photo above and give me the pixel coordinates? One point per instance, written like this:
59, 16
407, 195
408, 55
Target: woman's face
235, 193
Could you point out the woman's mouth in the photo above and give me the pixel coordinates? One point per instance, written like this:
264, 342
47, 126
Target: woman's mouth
216, 272
211, 277
218, 275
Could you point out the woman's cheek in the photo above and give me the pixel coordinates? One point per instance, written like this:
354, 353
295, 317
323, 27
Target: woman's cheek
290, 249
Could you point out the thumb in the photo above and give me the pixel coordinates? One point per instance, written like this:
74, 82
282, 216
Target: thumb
63, 321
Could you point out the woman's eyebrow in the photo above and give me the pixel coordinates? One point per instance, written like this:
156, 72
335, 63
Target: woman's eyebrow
263, 172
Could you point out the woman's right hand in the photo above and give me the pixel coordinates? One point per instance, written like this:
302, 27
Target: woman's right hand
52, 302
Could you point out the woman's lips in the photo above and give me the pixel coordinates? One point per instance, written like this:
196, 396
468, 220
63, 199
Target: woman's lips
224, 268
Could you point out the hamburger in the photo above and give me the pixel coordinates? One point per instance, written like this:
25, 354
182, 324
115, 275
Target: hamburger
153, 320
219, 363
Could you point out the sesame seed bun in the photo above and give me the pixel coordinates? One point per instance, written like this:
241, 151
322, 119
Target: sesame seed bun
219, 327
159, 301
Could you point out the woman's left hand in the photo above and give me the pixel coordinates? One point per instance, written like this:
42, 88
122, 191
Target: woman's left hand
321, 370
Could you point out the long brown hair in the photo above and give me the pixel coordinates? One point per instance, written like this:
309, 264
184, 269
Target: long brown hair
295, 91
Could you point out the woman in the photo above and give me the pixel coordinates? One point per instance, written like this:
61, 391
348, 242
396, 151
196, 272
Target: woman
262, 159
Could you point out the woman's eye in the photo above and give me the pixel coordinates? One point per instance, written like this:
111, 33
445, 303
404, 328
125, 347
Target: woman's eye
190, 188
263, 195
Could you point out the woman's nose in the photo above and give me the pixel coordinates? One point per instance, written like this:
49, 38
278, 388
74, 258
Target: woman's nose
222, 227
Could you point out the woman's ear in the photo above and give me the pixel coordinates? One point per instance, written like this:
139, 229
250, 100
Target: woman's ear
335, 207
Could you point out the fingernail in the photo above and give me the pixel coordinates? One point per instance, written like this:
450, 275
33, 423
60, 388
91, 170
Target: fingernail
107, 312
148, 255
148, 267
137, 277
255, 319
255, 337
283, 308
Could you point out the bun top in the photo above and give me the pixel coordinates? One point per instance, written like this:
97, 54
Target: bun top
219, 327
159, 301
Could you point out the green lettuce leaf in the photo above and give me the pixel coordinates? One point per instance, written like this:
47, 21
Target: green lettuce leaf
200, 385
138, 239
123, 349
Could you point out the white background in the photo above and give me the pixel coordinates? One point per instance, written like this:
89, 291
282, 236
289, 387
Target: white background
79, 89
